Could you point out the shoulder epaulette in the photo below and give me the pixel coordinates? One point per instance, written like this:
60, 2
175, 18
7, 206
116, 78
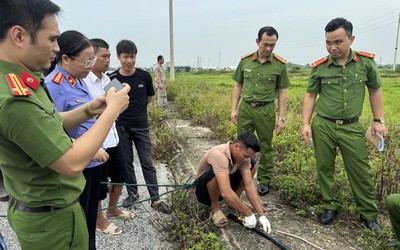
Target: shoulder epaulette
58, 78
71, 81
247, 55
366, 54
280, 59
319, 62
17, 85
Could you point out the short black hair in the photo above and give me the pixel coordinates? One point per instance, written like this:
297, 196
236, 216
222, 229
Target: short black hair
98, 44
270, 31
127, 47
159, 58
29, 14
340, 22
249, 140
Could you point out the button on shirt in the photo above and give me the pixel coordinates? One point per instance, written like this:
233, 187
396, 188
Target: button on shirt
96, 88
341, 88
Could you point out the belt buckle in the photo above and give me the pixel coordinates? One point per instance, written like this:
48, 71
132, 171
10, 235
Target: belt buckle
340, 122
253, 104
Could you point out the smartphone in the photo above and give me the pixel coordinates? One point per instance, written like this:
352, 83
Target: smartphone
114, 83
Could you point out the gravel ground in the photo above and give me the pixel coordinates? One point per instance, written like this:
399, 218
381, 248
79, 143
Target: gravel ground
139, 233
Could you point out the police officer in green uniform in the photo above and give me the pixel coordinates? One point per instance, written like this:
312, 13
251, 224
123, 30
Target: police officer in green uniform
260, 78
340, 80
392, 203
42, 167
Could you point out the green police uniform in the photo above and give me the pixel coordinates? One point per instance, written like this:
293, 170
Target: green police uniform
392, 203
43, 211
341, 92
256, 112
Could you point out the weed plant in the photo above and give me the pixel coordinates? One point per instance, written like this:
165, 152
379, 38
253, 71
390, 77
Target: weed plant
206, 100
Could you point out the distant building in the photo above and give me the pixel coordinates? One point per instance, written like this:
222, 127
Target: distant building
177, 68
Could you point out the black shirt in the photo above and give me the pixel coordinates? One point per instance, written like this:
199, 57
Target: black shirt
135, 116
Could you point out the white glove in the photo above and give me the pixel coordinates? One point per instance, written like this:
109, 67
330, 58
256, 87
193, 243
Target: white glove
250, 221
265, 224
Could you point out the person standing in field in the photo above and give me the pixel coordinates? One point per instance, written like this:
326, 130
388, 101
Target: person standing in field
133, 125
159, 77
42, 167
340, 79
113, 168
260, 78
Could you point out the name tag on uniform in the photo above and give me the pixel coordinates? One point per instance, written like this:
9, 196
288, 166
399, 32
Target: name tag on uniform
247, 70
79, 101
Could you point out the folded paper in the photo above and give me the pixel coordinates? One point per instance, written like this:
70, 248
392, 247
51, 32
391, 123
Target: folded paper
376, 140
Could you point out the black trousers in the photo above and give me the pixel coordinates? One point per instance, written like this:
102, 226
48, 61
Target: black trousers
141, 139
89, 199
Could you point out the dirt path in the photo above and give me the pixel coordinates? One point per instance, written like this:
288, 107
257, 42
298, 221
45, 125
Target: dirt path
195, 141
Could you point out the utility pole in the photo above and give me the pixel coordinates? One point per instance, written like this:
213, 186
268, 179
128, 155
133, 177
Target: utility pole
397, 41
171, 41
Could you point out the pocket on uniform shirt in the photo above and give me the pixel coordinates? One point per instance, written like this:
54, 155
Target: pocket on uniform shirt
359, 83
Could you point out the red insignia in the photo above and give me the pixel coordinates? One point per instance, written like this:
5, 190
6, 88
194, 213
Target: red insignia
319, 62
366, 54
71, 81
245, 56
355, 58
58, 78
29, 80
280, 59
17, 86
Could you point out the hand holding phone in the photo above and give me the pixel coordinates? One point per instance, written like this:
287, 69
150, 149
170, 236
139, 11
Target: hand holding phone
114, 83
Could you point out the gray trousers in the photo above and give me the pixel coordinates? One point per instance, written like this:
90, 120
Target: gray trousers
141, 139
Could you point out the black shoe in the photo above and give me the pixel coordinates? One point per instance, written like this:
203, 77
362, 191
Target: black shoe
327, 216
161, 207
371, 225
130, 200
263, 189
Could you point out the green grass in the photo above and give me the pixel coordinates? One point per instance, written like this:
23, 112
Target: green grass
206, 100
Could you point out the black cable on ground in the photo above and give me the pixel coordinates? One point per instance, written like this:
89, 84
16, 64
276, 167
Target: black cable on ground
259, 231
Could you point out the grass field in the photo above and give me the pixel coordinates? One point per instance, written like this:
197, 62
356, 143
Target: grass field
205, 98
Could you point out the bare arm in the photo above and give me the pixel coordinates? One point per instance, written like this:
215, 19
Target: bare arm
251, 191
149, 99
308, 108
282, 96
72, 162
376, 101
229, 196
237, 89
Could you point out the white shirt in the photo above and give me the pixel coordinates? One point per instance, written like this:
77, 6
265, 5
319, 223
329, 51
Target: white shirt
96, 86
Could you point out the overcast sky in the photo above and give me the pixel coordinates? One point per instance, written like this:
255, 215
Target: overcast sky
218, 32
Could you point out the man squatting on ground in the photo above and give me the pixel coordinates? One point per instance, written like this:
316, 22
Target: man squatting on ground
223, 173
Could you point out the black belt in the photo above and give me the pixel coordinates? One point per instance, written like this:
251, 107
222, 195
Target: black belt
343, 121
24, 208
257, 104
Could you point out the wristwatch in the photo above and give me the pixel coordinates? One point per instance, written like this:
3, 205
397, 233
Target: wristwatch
282, 119
380, 120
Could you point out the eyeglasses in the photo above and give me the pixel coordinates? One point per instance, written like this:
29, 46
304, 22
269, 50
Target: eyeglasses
88, 63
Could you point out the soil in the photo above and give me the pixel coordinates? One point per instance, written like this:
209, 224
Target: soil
195, 141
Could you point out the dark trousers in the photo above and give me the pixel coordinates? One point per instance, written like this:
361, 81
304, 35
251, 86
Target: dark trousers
141, 139
89, 199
